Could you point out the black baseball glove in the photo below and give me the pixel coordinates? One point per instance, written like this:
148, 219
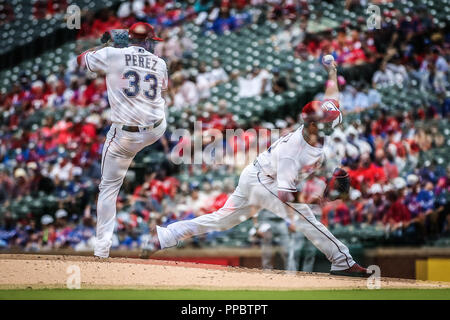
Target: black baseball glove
338, 186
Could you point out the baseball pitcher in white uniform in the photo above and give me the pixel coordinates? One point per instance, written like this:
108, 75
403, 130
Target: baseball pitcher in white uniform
270, 183
135, 78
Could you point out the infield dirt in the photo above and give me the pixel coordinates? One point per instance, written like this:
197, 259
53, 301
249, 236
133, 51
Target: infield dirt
44, 271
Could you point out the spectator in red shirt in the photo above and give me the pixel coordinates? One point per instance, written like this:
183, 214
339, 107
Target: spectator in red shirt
369, 173
170, 186
397, 216
336, 212
38, 96
384, 124
94, 91
352, 53
65, 133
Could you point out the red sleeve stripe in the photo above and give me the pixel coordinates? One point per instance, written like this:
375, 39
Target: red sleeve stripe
87, 62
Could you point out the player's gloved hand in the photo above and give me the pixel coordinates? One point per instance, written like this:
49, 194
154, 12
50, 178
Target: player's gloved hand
338, 186
115, 37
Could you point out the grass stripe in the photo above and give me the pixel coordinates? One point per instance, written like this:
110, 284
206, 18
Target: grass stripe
383, 294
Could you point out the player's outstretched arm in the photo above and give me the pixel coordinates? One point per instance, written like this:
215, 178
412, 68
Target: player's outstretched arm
332, 89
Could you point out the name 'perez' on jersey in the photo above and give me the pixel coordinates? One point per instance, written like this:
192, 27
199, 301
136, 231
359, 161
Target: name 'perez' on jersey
134, 79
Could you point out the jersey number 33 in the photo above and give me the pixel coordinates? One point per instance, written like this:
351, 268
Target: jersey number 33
134, 86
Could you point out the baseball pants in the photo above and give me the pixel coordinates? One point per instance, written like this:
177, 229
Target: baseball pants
298, 244
118, 151
256, 190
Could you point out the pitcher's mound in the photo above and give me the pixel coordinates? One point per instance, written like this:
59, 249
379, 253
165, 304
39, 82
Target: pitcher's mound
44, 271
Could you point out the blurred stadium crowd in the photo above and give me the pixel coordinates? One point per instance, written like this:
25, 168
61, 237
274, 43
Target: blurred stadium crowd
234, 64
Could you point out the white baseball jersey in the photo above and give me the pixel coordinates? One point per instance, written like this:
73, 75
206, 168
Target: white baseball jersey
290, 159
135, 79
278, 169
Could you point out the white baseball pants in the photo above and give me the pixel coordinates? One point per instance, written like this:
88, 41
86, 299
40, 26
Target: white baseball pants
256, 190
118, 151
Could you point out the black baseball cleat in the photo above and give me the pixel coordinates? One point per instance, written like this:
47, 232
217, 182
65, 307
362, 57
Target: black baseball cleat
354, 271
150, 245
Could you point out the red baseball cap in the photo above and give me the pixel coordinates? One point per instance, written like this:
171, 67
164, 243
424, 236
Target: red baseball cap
144, 31
322, 111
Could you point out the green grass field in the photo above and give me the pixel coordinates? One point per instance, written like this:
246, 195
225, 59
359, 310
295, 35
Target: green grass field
386, 294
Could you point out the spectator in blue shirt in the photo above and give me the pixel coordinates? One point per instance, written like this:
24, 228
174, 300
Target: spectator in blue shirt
225, 21
426, 198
